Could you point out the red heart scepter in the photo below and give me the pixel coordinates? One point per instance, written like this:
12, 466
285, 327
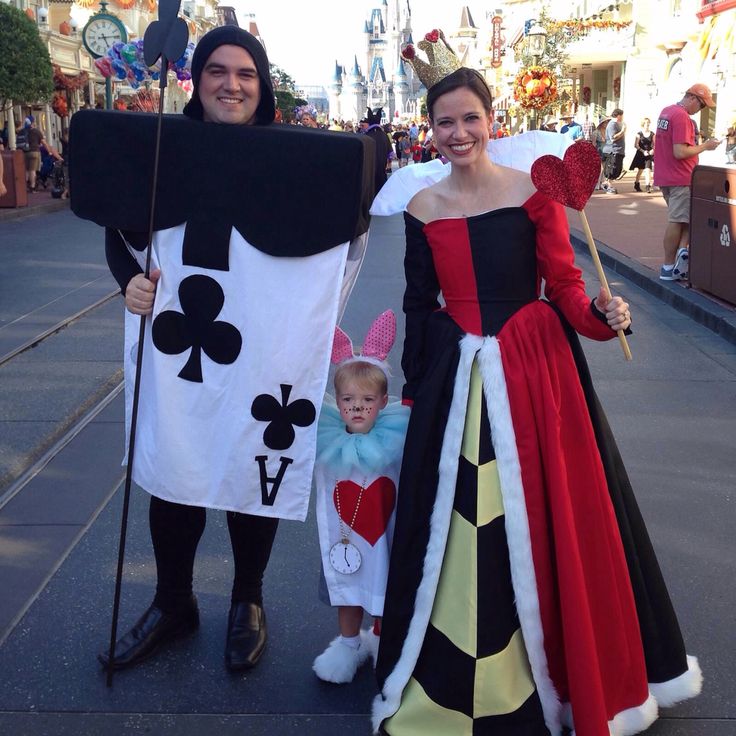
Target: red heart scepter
570, 181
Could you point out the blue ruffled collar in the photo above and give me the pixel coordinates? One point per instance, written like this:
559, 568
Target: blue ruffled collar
343, 453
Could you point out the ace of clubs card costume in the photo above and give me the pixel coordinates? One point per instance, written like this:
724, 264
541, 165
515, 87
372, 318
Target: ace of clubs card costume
258, 256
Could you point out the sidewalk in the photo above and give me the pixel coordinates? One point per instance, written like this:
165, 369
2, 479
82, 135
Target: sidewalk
628, 229
39, 203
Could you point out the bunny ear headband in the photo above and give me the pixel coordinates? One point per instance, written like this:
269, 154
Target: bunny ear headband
376, 346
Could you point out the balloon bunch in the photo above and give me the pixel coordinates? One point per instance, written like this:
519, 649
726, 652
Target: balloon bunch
124, 61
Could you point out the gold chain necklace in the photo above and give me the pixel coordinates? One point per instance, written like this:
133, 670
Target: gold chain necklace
344, 556
345, 536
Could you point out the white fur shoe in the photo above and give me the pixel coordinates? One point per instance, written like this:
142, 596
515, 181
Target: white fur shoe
339, 662
369, 641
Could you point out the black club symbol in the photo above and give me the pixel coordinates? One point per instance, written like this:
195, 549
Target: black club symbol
279, 434
201, 300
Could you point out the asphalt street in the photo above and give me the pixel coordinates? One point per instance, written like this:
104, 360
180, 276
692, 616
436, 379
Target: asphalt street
672, 410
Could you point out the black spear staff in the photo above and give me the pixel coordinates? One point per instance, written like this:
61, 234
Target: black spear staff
167, 38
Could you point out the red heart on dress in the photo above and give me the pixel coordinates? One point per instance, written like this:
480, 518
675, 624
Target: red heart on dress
432, 36
376, 506
569, 181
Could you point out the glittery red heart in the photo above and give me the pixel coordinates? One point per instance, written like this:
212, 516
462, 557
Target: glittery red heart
571, 180
376, 506
432, 36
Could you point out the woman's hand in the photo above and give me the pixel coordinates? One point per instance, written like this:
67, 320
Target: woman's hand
616, 311
140, 292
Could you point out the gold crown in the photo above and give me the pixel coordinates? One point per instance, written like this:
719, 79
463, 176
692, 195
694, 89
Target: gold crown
442, 59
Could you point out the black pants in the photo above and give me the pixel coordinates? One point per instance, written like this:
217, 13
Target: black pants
613, 165
175, 532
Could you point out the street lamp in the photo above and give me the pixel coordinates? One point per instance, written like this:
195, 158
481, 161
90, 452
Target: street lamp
42, 14
536, 40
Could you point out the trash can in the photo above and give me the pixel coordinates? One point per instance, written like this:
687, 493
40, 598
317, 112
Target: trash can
713, 231
14, 178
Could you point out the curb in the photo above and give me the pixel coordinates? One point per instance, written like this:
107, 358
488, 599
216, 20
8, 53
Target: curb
688, 301
21, 213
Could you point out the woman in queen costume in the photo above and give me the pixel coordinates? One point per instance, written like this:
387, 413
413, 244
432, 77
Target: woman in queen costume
523, 594
360, 439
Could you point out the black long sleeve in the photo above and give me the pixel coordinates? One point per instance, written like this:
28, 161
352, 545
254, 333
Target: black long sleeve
420, 301
120, 261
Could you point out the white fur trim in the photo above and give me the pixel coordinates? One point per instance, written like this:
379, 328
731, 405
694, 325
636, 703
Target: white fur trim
634, 720
339, 662
523, 577
387, 703
687, 685
627, 722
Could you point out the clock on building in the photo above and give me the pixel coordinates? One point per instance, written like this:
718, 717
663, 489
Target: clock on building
102, 31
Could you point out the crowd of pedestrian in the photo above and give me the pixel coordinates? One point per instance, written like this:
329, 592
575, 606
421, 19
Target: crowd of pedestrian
44, 165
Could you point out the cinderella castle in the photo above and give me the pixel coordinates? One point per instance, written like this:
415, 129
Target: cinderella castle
385, 80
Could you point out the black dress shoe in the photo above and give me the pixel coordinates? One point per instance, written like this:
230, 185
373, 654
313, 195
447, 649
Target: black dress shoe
153, 630
246, 636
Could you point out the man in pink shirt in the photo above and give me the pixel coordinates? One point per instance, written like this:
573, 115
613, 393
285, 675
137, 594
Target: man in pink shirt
676, 155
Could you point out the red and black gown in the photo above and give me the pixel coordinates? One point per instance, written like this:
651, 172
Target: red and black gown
523, 592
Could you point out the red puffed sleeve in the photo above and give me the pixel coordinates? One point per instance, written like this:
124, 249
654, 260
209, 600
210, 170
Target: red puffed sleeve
420, 300
563, 283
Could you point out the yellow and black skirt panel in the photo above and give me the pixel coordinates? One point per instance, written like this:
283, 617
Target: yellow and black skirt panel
472, 677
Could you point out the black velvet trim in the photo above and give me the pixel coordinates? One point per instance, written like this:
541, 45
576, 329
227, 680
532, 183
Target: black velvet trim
289, 192
486, 451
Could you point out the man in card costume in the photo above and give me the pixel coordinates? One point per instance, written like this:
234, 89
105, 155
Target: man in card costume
523, 592
253, 274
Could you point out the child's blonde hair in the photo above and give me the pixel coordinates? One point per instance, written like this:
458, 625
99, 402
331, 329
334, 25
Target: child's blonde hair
366, 375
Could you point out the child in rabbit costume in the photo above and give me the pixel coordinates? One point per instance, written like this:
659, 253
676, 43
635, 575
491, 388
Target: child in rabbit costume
360, 440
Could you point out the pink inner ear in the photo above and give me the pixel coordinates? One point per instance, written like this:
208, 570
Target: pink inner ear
342, 347
381, 336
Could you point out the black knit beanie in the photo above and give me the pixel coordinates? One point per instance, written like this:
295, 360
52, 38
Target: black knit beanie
232, 36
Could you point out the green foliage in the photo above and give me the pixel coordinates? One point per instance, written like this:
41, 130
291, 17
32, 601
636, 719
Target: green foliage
286, 102
282, 81
25, 68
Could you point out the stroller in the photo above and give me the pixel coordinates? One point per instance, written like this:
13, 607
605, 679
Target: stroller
58, 180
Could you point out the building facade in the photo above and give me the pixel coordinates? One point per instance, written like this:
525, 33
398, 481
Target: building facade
639, 55
60, 25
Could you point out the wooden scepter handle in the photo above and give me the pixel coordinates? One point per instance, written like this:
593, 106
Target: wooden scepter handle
602, 278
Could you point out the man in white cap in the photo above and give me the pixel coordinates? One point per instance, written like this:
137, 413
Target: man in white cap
677, 156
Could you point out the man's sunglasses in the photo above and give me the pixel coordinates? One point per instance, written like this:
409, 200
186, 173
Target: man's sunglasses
701, 101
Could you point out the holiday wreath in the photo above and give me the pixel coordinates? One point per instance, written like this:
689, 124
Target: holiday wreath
535, 88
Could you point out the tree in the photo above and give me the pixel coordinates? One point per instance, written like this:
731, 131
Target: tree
285, 91
26, 75
282, 81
